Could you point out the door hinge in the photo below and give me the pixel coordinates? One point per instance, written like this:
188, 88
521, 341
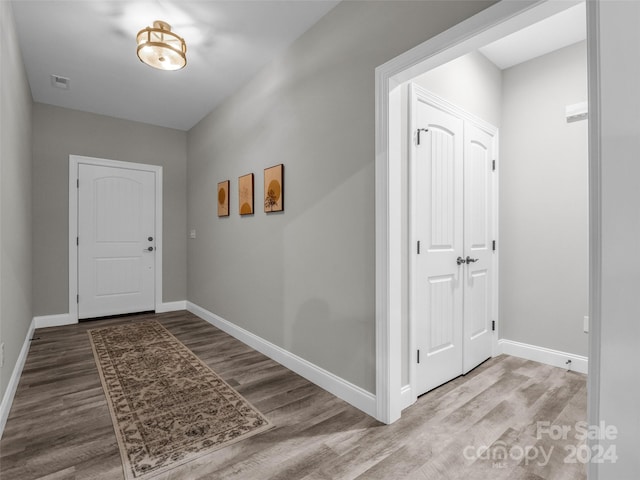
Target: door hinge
493, 245
493, 325
77, 183
493, 165
418, 356
418, 247
77, 298
418, 134
77, 241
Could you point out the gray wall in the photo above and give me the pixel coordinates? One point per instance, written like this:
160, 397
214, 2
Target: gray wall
15, 197
304, 279
544, 226
60, 132
617, 299
472, 82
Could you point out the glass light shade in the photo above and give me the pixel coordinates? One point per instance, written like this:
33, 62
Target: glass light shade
160, 48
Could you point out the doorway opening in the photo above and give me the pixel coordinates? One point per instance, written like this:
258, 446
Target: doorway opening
392, 203
537, 94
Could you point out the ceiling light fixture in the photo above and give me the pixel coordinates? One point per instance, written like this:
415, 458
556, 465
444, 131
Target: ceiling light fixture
160, 48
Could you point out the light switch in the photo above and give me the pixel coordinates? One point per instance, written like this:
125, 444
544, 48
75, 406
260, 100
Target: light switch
192, 233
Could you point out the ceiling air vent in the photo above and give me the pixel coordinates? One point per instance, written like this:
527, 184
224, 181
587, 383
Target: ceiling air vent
60, 82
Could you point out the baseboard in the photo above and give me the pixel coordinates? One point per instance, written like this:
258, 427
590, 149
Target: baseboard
339, 387
45, 321
10, 392
171, 306
548, 356
406, 397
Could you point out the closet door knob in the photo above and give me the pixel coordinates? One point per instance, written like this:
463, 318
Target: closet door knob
461, 260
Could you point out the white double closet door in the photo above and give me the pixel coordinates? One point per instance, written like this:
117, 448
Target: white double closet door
452, 225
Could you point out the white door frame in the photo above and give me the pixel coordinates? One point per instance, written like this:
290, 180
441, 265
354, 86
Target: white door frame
74, 162
409, 396
495, 22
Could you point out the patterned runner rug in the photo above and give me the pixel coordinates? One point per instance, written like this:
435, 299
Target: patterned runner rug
167, 406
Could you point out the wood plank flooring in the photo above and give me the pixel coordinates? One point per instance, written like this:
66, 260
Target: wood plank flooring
480, 426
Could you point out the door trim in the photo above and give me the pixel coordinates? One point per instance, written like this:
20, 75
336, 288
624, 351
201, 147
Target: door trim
74, 162
415, 91
495, 22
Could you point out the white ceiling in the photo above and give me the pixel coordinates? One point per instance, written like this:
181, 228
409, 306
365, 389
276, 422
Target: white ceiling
555, 32
92, 42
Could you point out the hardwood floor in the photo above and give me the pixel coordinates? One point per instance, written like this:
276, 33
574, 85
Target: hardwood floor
59, 426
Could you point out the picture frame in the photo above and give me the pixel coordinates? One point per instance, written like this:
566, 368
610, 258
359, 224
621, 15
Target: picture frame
274, 189
223, 198
245, 194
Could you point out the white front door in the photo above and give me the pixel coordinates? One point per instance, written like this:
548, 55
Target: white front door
478, 239
116, 240
437, 301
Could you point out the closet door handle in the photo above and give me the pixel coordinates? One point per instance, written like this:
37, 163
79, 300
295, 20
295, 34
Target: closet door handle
460, 260
471, 260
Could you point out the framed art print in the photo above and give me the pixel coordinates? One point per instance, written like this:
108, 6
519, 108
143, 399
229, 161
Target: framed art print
245, 194
223, 199
274, 189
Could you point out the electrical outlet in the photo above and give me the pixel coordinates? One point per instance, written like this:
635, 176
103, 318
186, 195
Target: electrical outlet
585, 325
1, 355
192, 233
